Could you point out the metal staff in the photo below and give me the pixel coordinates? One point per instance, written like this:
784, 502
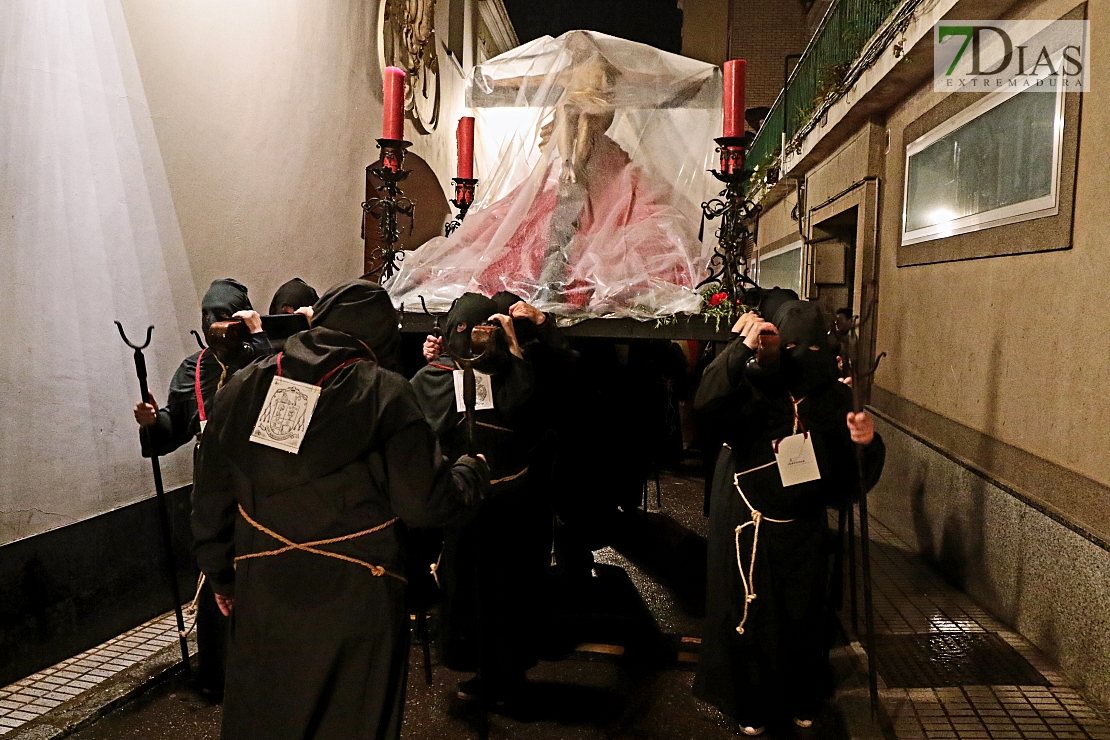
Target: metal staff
422, 632
480, 340
850, 350
163, 512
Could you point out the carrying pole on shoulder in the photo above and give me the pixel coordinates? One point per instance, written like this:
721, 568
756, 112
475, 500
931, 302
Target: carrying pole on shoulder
160, 503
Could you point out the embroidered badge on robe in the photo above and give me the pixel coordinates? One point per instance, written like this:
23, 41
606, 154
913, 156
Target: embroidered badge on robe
483, 391
286, 414
796, 460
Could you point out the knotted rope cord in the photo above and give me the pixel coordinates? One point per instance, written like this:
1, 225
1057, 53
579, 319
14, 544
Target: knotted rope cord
377, 570
484, 424
797, 419
756, 520
435, 567
508, 478
223, 371
192, 607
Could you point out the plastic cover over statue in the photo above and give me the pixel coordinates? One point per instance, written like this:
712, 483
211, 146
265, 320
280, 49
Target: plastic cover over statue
593, 154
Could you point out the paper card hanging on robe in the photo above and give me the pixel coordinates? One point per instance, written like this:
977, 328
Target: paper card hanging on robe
286, 414
796, 459
483, 392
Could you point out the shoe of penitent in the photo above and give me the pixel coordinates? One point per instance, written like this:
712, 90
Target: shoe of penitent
803, 722
752, 731
506, 690
468, 689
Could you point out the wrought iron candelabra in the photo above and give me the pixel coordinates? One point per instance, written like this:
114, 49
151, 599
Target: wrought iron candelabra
384, 260
464, 198
728, 266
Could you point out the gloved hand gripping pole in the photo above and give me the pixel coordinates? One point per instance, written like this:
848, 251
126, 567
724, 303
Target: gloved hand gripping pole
163, 512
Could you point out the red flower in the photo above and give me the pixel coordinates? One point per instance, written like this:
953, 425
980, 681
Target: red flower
717, 298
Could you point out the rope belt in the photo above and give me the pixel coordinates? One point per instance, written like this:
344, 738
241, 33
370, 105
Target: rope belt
311, 547
756, 520
462, 419
508, 478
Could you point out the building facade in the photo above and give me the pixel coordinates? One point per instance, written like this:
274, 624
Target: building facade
981, 279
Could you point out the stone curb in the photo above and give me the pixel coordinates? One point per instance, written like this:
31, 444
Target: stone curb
113, 693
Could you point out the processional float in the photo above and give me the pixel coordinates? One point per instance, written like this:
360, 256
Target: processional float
582, 80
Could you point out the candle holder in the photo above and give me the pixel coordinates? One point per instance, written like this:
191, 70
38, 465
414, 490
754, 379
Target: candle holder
731, 149
464, 198
728, 267
383, 261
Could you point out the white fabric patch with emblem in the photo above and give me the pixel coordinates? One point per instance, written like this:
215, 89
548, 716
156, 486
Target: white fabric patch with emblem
483, 391
797, 462
286, 414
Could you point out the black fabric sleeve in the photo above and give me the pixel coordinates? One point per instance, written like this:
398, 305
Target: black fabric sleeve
260, 343
551, 337
426, 490
513, 394
177, 424
723, 390
215, 507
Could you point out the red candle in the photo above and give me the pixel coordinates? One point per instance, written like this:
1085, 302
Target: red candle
393, 105
734, 98
464, 137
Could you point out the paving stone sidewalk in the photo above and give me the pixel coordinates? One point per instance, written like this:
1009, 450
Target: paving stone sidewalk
912, 599
33, 697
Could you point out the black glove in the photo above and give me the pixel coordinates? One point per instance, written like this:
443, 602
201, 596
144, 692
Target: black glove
472, 478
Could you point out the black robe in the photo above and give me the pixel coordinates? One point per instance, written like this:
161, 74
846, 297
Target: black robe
319, 646
492, 566
778, 667
178, 423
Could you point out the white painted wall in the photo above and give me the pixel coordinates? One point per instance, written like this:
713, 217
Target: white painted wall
266, 112
149, 147
87, 235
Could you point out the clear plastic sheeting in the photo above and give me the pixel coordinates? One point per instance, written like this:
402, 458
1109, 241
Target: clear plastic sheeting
593, 155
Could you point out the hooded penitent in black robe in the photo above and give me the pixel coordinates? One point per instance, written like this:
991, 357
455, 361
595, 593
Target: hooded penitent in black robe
292, 295
493, 565
778, 667
179, 422
319, 645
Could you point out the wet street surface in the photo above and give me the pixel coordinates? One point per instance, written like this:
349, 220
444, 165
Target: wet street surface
173, 711
632, 673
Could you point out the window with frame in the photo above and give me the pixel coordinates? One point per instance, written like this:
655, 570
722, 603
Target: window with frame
782, 268
997, 162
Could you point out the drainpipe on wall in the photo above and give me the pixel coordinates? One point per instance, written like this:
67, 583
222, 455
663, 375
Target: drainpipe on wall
807, 246
470, 34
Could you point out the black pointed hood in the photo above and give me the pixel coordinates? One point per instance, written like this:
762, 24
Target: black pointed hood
225, 296
804, 325
363, 310
295, 293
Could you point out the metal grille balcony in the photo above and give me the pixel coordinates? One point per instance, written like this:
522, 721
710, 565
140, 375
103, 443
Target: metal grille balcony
841, 39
